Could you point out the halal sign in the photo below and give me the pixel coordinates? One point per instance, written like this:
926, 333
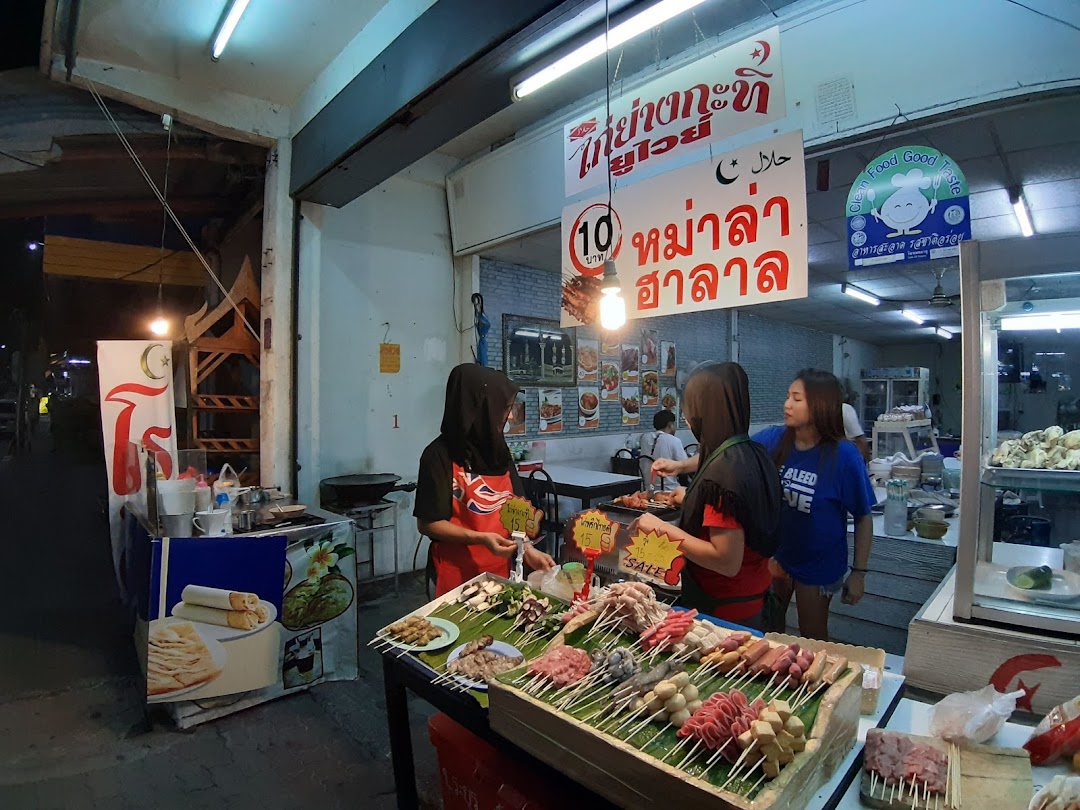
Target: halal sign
595, 230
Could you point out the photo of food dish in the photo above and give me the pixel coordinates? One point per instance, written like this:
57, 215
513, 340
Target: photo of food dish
609, 381
631, 405
223, 614
581, 298
551, 410
515, 425
649, 348
669, 400
610, 348
650, 388
313, 603
630, 355
667, 358
588, 356
588, 408
303, 660
179, 659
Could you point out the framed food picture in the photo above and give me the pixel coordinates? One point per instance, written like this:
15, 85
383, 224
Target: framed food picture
650, 388
551, 410
631, 405
539, 351
667, 358
609, 347
588, 361
669, 400
588, 408
629, 361
609, 381
650, 348
515, 425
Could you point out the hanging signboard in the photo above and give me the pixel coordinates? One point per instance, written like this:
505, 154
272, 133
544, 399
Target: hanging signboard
728, 231
654, 556
908, 205
137, 417
730, 91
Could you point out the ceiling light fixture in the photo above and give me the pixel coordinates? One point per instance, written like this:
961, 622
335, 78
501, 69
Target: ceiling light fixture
862, 295
623, 32
941, 332
229, 20
1057, 320
159, 326
911, 316
1020, 208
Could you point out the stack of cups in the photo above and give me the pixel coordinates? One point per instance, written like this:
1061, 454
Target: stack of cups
176, 505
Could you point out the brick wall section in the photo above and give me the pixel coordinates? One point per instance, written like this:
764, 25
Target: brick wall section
771, 351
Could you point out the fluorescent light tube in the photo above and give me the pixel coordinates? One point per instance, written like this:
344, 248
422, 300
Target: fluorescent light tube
623, 32
943, 333
228, 25
911, 316
1057, 320
862, 295
1023, 216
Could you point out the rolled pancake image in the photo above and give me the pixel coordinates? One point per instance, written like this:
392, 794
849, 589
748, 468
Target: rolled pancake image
237, 619
219, 598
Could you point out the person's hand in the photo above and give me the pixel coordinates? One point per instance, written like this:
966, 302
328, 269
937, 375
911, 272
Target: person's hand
854, 588
776, 571
678, 495
497, 544
666, 467
646, 523
537, 560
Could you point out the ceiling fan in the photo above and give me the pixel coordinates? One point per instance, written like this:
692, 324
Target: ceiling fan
938, 298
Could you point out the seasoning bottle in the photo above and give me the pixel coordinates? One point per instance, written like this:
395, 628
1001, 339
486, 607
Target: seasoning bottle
896, 507
202, 495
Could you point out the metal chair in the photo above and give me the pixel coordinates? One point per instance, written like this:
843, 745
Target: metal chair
645, 470
541, 492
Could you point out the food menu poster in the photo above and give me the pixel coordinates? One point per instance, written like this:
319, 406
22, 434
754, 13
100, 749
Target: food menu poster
650, 348
551, 410
669, 400
610, 348
630, 357
214, 616
667, 358
588, 359
588, 408
515, 425
631, 405
650, 388
609, 382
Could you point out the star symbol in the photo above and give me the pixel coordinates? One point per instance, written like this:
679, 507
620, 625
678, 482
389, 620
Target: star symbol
1029, 693
165, 362
756, 54
734, 163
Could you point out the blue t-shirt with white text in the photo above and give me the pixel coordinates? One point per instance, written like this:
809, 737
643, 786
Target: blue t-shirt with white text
821, 487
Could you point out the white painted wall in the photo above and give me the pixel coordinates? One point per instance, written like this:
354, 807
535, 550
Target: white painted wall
851, 356
383, 258
925, 57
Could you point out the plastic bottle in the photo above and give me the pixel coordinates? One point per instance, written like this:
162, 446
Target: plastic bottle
896, 507
202, 495
223, 502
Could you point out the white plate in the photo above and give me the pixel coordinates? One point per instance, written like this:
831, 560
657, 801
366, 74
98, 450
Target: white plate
449, 636
498, 647
217, 652
216, 631
1064, 586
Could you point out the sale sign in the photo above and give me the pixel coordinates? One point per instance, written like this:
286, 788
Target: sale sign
593, 531
519, 515
654, 556
720, 95
728, 231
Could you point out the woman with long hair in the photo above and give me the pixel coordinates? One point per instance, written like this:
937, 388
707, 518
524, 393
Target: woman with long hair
824, 480
731, 511
465, 477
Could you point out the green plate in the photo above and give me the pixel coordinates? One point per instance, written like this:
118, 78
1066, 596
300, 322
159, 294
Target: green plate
449, 636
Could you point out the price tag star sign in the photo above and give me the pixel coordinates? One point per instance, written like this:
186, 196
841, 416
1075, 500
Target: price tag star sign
593, 531
656, 556
519, 515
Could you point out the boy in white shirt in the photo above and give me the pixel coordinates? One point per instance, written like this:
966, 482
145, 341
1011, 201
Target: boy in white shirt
663, 444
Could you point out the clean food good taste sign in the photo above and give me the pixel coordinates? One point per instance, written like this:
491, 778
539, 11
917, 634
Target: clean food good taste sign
718, 96
729, 231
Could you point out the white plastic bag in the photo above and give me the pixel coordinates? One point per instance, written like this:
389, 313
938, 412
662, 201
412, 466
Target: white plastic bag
972, 716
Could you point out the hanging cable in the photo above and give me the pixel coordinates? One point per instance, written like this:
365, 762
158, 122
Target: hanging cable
168, 209
164, 222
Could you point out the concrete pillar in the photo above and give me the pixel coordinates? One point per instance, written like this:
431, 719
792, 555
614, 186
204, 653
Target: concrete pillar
278, 331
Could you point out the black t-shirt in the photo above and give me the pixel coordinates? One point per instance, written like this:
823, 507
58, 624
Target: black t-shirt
435, 481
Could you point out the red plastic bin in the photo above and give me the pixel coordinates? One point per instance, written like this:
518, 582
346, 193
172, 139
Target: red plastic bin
476, 776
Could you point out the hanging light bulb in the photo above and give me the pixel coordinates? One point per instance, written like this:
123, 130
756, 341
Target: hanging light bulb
159, 326
612, 306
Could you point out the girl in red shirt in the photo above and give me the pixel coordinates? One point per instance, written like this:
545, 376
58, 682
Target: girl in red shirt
731, 511
465, 477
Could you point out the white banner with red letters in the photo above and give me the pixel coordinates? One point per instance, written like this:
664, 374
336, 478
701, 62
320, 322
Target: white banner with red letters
137, 417
720, 95
729, 231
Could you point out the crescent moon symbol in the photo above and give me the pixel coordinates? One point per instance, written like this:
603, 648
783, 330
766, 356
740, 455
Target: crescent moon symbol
724, 181
766, 50
144, 361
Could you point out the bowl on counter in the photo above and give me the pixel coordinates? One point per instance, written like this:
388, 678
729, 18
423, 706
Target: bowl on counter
931, 529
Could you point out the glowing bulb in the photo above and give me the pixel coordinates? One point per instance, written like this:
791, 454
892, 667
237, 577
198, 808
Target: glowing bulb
160, 327
612, 309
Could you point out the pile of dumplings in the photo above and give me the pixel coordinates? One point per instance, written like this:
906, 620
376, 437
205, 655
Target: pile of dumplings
1050, 449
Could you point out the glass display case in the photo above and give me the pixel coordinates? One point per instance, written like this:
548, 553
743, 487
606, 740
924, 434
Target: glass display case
1020, 479
886, 388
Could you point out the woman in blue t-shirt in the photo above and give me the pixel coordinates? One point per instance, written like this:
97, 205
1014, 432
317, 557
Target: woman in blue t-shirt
824, 480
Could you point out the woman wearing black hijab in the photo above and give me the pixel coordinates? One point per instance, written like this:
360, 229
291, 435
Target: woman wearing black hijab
731, 511
466, 475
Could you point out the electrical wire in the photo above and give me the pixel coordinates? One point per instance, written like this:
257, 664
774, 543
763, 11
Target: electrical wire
1044, 14
607, 108
164, 220
168, 209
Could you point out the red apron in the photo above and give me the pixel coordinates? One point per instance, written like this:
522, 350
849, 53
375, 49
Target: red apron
476, 503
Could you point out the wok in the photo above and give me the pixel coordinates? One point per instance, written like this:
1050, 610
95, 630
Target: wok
360, 488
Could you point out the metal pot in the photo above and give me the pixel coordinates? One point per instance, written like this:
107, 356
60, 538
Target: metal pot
360, 488
254, 496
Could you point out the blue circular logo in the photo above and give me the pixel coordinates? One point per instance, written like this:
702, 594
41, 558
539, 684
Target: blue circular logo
858, 239
858, 223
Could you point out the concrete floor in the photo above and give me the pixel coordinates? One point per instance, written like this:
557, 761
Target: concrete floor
73, 733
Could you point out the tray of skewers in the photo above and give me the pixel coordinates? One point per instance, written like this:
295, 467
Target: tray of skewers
725, 707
